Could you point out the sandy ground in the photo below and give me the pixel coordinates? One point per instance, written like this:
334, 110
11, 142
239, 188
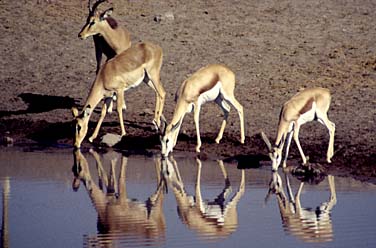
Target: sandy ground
275, 47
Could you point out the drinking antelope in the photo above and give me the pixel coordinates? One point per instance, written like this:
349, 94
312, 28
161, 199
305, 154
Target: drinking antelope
139, 63
305, 106
217, 218
119, 215
307, 224
211, 83
109, 38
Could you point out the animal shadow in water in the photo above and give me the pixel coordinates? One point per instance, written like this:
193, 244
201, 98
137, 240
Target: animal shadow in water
250, 161
131, 145
41, 103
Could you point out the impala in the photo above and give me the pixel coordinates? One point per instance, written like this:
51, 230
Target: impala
305, 106
211, 83
109, 38
139, 63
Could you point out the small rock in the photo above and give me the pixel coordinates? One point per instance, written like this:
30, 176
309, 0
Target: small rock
148, 111
110, 139
168, 16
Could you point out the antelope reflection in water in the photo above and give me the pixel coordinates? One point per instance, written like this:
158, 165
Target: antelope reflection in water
212, 219
307, 224
5, 220
118, 216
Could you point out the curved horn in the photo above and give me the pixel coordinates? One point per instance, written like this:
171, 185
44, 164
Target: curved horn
93, 8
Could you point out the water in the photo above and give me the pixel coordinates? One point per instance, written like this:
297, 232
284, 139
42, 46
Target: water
180, 202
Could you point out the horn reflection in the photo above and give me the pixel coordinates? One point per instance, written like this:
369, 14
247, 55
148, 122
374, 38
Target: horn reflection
210, 219
118, 216
307, 224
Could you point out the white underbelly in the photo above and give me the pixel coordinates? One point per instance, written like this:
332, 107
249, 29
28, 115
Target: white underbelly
135, 84
308, 116
210, 95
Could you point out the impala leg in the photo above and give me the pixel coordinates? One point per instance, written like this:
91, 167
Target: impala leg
119, 107
226, 109
160, 95
289, 137
99, 124
331, 127
197, 124
238, 108
296, 139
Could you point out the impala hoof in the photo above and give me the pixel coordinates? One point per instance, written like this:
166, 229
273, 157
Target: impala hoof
305, 160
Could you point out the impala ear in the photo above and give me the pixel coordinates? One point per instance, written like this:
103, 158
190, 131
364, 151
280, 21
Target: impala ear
106, 13
266, 140
74, 112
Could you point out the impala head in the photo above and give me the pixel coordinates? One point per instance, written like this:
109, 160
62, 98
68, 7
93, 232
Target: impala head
81, 125
168, 138
275, 153
96, 20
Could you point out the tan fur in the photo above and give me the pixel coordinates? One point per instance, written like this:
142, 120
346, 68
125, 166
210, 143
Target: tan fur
199, 83
291, 117
118, 39
118, 75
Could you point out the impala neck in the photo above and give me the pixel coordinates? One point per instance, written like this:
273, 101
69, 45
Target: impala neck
112, 38
179, 113
95, 96
281, 135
